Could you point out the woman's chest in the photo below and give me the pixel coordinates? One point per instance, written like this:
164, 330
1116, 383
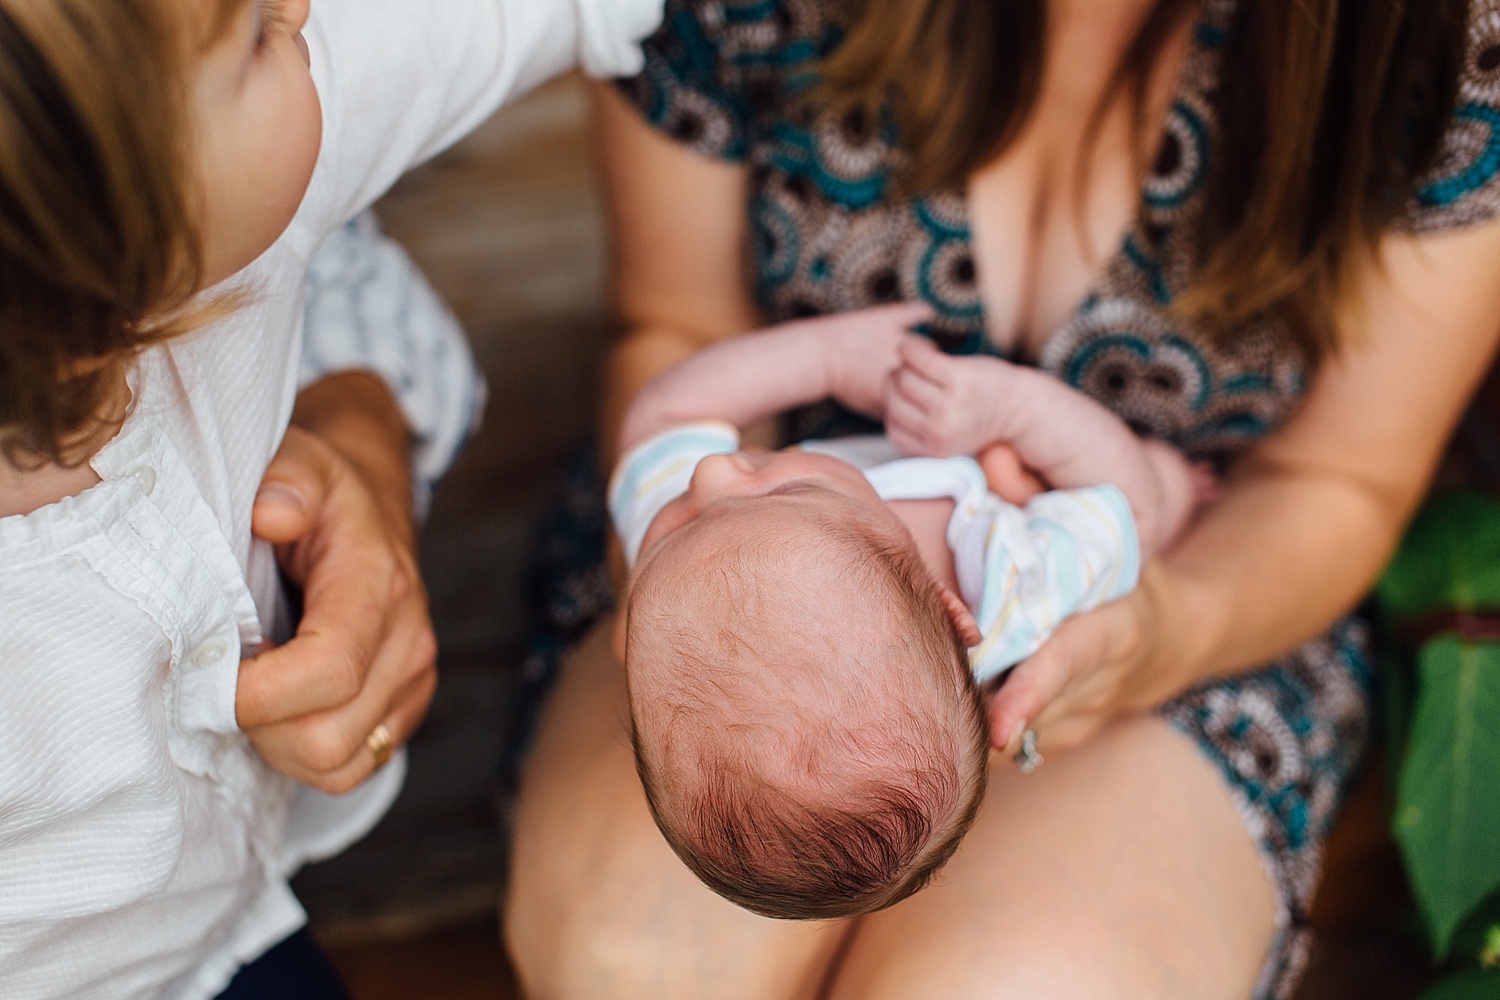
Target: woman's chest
1061, 252
1049, 213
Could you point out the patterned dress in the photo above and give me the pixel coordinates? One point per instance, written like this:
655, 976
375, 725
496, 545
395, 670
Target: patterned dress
722, 77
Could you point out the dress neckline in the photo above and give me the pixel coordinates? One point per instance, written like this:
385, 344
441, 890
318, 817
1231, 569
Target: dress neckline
1160, 199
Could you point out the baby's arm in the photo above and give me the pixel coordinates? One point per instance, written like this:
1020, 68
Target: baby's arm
848, 357
944, 405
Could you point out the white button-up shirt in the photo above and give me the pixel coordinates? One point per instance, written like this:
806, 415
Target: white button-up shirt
144, 846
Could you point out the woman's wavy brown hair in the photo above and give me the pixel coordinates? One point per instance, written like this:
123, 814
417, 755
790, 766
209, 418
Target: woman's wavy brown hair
1329, 111
99, 241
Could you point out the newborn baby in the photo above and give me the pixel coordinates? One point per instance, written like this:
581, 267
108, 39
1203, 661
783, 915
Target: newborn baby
807, 631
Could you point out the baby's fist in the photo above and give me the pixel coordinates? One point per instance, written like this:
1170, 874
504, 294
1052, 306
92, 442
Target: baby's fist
940, 405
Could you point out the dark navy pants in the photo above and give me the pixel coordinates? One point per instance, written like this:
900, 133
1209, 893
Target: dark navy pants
296, 969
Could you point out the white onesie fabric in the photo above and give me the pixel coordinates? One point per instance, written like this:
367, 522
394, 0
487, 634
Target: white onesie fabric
1021, 571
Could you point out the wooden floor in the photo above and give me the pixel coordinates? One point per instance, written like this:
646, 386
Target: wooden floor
509, 228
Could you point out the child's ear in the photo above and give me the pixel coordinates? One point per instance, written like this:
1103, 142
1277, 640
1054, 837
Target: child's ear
959, 614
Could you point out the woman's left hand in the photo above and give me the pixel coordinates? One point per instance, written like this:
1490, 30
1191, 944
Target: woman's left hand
1096, 668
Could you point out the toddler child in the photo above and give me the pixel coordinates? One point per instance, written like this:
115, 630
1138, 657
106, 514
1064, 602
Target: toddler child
169, 169
807, 630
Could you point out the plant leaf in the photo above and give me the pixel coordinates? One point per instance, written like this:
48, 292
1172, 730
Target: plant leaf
1480, 934
1467, 986
1449, 560
1448, 803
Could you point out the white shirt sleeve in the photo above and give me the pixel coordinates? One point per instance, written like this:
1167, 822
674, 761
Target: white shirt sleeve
370, 309
400, 80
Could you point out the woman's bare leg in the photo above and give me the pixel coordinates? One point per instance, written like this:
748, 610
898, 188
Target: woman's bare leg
1121, 870
599, 906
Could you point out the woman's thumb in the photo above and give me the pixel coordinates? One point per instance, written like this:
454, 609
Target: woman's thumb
1029, 689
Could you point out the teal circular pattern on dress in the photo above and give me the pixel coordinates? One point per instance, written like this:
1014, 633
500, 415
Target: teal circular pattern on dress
1477, 174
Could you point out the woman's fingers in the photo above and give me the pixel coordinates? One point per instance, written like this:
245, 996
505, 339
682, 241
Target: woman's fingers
324, 748
900, 316
1031, 687
907, 423
1090, 672
349, 734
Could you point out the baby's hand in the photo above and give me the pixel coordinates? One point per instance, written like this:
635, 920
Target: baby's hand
863, 349
939, 405
1006, 476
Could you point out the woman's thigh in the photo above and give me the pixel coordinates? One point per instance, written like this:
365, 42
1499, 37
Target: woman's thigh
1120, 870
599, 906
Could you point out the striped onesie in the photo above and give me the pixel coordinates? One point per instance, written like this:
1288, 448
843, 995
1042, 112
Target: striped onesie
1021, 570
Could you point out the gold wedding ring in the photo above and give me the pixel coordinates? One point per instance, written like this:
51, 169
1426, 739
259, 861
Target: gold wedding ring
381, 745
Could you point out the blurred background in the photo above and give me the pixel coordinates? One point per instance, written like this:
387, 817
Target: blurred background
509, 228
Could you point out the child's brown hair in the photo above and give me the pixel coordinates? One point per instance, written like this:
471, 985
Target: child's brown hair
99, 242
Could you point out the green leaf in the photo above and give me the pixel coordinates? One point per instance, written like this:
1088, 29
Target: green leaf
1468, 986
1449, 560
1477, 941
1448, 802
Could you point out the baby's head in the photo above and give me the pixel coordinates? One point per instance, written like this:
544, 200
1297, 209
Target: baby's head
148, 150
807, 729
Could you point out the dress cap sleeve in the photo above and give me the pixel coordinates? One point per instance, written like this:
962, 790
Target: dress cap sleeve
688, 87
1464, 187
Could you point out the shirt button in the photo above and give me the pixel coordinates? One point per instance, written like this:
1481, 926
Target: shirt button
210, 653
146, 477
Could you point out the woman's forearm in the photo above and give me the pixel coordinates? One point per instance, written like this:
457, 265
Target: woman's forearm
1279, 558
1309, 519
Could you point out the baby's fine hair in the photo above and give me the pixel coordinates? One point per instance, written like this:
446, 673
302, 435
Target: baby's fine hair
910, 791
99, 235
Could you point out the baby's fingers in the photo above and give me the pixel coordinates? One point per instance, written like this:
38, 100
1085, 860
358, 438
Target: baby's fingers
898, 318
905, 425
923, 393
919, 354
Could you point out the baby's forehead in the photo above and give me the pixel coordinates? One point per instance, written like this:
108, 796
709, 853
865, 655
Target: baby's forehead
787, 573
773, 535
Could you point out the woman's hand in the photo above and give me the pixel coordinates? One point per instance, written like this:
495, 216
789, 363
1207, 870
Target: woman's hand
1095, 669
336, 502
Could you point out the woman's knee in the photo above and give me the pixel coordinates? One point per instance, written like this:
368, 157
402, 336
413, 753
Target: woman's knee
578, 952
595, 951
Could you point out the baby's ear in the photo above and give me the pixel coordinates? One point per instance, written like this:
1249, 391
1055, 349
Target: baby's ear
959, 614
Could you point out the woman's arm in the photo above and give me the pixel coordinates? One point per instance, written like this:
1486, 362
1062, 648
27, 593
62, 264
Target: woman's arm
1307, 520
680, 280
